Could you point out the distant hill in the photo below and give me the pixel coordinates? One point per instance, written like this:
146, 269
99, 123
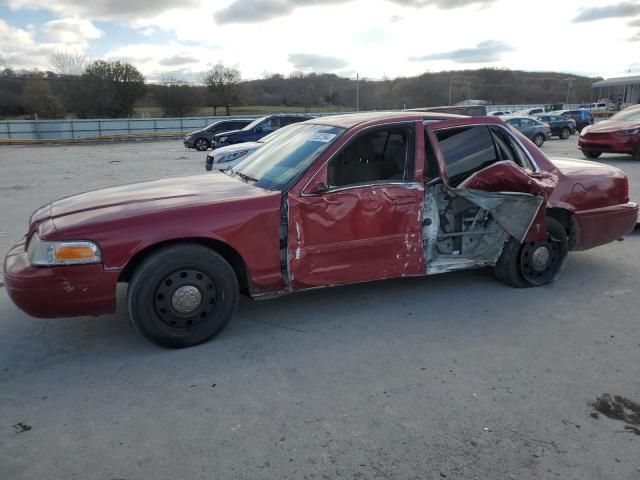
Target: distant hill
498, 86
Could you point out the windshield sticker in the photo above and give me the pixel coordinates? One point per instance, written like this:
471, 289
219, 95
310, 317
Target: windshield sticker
322, 137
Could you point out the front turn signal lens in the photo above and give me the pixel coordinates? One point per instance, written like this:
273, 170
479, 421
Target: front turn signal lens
74, 253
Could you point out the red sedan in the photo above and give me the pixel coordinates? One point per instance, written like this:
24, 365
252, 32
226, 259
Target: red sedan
336, 200
619, 134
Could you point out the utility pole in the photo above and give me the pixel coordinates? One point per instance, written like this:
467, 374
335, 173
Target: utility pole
450, 85
357, 92
569, 85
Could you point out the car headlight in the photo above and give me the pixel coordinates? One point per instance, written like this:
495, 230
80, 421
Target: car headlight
630, 131
43, 253
222, 139
231, 156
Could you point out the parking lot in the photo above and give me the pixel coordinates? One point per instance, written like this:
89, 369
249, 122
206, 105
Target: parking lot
453, 376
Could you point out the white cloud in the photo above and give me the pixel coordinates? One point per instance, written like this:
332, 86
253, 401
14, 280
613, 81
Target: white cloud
20, 50
71, 30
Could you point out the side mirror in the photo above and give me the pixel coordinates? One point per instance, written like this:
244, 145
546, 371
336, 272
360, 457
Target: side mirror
319, 187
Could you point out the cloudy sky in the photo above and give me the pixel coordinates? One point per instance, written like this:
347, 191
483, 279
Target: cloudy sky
375, 38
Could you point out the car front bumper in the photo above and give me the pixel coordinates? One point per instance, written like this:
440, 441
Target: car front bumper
188, 142
608, 143
65, 291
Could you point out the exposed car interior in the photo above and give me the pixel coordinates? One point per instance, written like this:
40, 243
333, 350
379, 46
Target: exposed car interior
381, 155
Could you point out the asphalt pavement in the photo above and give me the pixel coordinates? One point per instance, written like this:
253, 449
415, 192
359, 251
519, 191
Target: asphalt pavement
454, 376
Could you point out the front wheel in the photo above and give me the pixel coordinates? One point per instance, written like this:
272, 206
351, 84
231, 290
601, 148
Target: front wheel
589, 154
565, 133
538, 140
182, 295
201, 144
534, 264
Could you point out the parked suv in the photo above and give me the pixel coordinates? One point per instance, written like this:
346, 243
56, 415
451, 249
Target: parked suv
533, 129
560, 126
582, 117
201, 139
257, 129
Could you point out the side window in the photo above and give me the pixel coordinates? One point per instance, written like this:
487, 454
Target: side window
508, 148
545, 119
525, 122
466, 151
384, 155
272, 124
514, 122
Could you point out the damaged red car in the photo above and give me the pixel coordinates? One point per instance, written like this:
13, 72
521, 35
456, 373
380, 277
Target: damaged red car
337, 200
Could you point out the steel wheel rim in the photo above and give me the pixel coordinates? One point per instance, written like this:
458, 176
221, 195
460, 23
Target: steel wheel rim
541, 260
201, 144
184, 300
539, 140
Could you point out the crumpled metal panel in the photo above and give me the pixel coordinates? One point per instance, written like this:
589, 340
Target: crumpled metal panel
355, 235
513, 211
506, 176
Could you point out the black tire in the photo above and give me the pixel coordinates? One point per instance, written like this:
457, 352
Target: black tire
515, 266
590, 154
539, 140
201, 144
565, 133
636, 153
163, 304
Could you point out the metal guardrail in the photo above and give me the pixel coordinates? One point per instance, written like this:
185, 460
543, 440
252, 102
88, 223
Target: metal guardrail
20, 130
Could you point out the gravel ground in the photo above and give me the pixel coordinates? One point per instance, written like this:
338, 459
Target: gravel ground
454, 376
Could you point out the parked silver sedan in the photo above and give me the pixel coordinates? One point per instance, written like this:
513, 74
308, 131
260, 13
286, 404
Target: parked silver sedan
535, 130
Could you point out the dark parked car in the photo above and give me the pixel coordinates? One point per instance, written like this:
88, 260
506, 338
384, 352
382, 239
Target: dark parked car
531, 128
345, 199
619, 134
560, 126
257, 129
582, 117
201, 139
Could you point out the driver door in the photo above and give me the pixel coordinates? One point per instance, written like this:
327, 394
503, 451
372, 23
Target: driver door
359, 218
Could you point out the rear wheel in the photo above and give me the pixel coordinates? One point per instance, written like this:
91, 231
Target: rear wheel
538, 140
565, 133
182, 295
534, 264
590, 154
201, 144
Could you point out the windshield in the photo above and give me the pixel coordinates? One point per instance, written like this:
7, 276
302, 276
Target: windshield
278, 163
254, 124
632, 115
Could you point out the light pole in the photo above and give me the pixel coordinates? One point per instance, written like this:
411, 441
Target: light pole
569, 85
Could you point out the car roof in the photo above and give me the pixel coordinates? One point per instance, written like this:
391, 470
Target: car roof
509, 117
351, 120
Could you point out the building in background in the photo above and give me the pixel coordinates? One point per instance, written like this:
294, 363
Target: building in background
624, 91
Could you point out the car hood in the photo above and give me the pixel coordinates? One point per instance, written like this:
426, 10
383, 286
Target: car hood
608, 126
226, 134
236, 147
146, 197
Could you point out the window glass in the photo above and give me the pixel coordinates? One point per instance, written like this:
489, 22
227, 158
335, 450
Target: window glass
377, 156
272, 124
509, 149
466, 151
526, 122
514, 122
276, 165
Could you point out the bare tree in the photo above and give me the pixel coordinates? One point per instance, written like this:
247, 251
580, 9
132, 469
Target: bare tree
175, 97
67, 63
223, 84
